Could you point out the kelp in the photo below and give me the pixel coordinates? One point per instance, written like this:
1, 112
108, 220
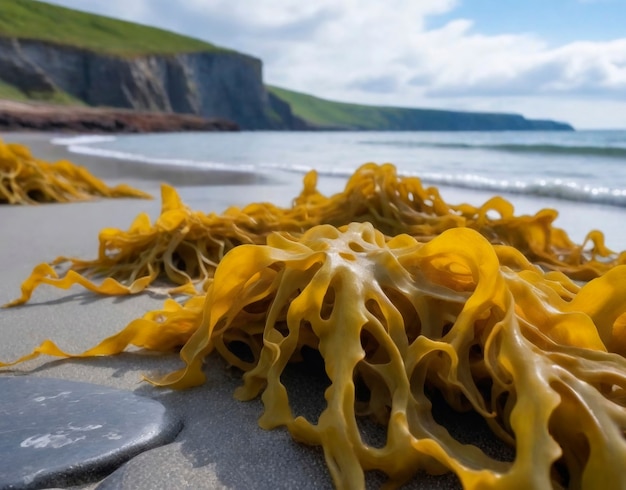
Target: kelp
25, 179
183, 246
539, 356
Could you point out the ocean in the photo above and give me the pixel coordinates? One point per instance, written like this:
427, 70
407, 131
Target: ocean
582, 174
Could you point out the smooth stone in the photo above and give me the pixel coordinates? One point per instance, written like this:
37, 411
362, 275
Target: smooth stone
61, 433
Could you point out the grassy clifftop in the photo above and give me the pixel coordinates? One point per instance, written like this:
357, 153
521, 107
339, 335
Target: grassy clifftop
326, 113
341, 115
30, 19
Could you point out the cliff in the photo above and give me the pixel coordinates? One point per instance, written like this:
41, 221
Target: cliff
224, 84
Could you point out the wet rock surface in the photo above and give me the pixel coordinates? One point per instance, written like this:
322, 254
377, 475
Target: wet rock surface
61, 433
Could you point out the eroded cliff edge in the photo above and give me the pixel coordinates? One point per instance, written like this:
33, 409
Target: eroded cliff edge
225, 85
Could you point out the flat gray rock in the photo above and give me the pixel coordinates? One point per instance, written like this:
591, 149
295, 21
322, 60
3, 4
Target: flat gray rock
60, 433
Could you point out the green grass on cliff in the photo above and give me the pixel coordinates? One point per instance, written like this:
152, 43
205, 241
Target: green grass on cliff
341, 115
30, 19
10, 92
323, 112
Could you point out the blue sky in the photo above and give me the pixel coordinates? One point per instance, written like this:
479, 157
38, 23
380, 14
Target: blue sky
556, 21
557, 59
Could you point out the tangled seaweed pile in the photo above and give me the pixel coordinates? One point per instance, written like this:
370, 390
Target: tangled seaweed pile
401, 294
27, 180
185, 246
535, 354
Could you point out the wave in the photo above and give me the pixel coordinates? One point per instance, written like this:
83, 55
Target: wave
540, 148
550, 188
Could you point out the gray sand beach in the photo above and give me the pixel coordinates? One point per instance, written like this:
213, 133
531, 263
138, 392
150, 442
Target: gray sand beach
220, 444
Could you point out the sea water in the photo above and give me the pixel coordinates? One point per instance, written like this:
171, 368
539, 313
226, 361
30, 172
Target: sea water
582, 173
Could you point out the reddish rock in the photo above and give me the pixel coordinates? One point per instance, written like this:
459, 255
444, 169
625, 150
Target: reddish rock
19, 116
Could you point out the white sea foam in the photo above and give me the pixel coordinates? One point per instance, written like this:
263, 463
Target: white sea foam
80, 145
82, 140
553, 188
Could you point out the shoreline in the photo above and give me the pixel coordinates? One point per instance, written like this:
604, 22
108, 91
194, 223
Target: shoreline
577, 218
114, 169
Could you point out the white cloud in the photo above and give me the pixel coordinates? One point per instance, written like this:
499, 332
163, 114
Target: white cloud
521, 69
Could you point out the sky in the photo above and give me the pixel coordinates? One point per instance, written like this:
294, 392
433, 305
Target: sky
547, 59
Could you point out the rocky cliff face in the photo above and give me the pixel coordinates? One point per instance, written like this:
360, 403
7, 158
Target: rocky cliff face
211, 85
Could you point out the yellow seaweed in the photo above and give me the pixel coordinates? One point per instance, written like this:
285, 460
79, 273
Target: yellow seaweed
27, 180
183, 246
395, 204
530, 351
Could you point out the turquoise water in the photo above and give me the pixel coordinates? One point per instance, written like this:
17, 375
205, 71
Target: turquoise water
582, 174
